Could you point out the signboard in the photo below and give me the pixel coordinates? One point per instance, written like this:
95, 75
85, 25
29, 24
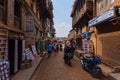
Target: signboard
34, 50
29, 23
49, 34
86, 35
119, 10
29, 55
103, 17
88, 46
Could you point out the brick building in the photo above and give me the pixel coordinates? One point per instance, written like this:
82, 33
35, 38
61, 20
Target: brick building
23, 23
106, 24
101, 19
81, 14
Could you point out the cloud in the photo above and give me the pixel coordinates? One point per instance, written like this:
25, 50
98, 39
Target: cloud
62, 29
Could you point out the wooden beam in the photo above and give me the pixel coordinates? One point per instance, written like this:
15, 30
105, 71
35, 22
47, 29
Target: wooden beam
10, 28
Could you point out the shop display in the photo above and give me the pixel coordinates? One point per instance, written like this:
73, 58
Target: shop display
29, 55
28, 59
4, 70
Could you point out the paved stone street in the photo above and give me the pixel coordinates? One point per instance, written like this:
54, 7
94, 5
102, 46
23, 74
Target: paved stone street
54, 68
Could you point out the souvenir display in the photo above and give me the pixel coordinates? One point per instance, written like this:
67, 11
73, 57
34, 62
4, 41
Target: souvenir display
4, 70
28, 54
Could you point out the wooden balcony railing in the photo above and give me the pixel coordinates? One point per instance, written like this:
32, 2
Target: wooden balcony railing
17, 23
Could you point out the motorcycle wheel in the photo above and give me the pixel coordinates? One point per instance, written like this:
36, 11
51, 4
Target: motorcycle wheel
96, 73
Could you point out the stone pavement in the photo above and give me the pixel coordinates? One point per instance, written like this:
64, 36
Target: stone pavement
54, 68
26, 74
107, 70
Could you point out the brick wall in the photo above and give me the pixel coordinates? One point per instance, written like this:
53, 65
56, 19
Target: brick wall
107, 7
10, 13
79, 15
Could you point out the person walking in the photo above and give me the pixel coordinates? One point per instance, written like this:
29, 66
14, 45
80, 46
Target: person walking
72, 48
60, 46
55, 49
49, 49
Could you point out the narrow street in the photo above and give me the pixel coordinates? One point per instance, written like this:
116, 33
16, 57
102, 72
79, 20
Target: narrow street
54, 68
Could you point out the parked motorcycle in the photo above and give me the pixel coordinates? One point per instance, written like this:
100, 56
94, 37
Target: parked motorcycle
90, 64
67, 58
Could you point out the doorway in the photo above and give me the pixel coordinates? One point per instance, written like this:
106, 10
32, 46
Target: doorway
11, 54
19, 52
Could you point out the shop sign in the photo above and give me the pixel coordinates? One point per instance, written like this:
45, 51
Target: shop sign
86, 35
49, 34
88, 46
103, 17
119, 10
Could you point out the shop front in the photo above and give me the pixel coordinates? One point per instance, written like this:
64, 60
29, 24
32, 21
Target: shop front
108, 36
15, 51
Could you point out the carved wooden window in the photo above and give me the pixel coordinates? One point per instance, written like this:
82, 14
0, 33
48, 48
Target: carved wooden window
2, 3
3, 9
17, 15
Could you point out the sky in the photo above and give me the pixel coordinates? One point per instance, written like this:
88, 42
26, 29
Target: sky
62, 20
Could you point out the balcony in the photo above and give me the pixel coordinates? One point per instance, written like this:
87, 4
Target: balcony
17, 23
86, 9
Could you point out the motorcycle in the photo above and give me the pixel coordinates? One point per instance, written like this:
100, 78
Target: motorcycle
67, 58
90, 64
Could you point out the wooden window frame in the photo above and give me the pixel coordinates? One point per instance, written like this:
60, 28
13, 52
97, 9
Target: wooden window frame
18, 18
4, 10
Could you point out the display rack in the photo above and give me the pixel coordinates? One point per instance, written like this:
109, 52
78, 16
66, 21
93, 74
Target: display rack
4, 70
